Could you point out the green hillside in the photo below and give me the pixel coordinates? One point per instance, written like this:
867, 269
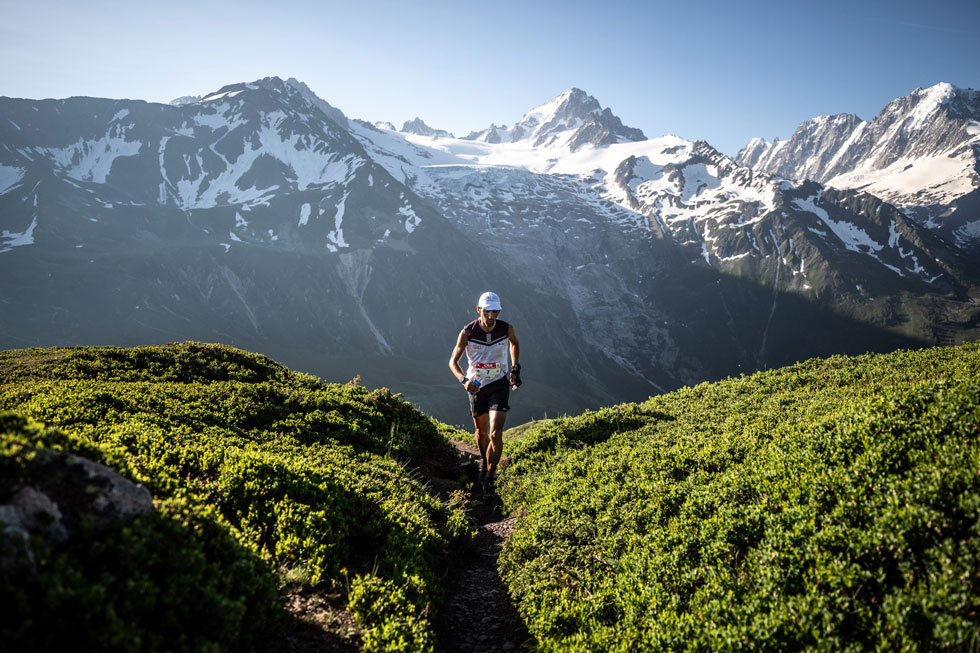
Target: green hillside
830, 505
262, 480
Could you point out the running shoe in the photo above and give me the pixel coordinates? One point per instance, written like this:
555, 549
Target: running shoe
488, 489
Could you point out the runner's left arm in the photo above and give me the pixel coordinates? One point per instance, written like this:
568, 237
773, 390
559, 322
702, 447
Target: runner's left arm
515, 356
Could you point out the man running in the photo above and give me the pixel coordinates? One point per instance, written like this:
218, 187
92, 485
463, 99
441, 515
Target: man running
488, 378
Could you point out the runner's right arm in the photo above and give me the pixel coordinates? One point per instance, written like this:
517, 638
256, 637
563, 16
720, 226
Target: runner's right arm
454, 361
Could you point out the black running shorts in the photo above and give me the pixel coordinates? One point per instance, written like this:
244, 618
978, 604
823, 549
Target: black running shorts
493, 396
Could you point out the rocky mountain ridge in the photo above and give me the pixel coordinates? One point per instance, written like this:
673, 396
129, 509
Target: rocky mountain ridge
920, 153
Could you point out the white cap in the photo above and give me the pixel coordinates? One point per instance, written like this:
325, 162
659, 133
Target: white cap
489, 301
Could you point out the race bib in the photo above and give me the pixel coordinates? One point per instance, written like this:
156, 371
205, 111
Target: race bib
486, 372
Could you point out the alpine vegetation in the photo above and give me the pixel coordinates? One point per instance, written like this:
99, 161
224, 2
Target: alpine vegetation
175, 497
830, 505
166, 498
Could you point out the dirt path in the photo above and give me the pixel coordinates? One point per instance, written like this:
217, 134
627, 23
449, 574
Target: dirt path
478, 615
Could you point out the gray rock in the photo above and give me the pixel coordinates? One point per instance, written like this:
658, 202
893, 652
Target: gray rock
120, 497
64, 490
33, 511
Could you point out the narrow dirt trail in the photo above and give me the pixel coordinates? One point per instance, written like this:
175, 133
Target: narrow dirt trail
478, 615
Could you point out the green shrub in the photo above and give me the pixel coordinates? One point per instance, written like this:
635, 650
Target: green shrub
832, 505
177, 579
392, 616
304, 474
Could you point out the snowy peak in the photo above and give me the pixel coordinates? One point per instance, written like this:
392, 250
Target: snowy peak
920, 152
269, 94
926, 123
570, 110
577, 112
816, 141
572, 120
419, 128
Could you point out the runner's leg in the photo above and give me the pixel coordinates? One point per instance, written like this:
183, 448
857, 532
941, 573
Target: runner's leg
496, 440
481, 423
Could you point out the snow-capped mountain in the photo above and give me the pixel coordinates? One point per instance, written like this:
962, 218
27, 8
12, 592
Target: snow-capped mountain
262, 216
419, 128
921, 153
572, 120
556, 215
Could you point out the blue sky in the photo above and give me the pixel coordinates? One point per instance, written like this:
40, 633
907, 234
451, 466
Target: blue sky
719, 71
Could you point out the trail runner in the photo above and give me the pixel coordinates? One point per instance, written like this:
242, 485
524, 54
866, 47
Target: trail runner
488, 380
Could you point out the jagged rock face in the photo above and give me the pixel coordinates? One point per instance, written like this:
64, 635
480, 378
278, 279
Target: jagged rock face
489, 135
419, 127
921, 152
816, 143
328, 110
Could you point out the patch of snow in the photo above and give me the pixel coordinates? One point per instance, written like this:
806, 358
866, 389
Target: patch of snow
697, 178
893, 235
411, 219
240, 222
931, 99
335, 239
92, 160
235, 238
851, 235
120, 115
218, 96
10, 177
9, 239
304, 214
910, 182
735, 257
970, 231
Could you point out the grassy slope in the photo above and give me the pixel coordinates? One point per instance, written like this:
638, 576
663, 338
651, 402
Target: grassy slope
834, 504
293, 475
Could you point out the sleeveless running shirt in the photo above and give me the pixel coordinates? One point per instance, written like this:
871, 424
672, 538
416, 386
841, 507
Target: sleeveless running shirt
487, 352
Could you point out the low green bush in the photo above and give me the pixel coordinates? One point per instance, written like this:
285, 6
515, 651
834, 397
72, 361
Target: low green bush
308, 477
831, 505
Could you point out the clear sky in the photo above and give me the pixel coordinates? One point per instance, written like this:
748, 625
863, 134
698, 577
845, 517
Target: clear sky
719, 71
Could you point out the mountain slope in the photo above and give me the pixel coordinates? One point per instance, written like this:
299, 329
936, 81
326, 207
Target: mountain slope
607, 225
251, 218
260, 216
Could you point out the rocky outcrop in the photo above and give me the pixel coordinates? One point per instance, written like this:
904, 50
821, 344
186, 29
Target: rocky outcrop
419, 128
63, 490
